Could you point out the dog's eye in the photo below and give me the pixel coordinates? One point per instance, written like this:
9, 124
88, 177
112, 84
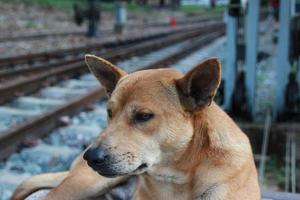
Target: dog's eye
143, 117
109, 113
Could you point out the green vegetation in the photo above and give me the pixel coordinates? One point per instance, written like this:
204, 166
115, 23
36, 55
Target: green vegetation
276, 170
56, 4
197, 9
66, 5
131, 7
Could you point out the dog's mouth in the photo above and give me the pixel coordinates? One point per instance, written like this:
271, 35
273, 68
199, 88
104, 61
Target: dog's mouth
142, 167
103, 170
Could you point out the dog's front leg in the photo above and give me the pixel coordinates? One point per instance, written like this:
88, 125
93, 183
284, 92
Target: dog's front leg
83, 183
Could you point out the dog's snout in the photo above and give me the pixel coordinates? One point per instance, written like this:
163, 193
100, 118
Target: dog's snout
96, 155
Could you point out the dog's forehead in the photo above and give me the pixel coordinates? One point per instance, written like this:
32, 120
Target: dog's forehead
149, 78
145, 84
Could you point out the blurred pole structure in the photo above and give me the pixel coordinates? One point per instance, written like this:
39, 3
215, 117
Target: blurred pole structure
231, 58
93, 17
293, 7
252, 27
212, 3
92, 14
120, 16
283, 66
295, 12
298, 73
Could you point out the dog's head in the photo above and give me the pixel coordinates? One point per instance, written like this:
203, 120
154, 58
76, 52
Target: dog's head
150, 115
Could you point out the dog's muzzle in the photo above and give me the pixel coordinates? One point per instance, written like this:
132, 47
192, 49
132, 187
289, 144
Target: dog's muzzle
100, 160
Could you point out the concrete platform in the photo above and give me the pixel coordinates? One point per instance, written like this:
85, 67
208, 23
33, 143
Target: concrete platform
280, 196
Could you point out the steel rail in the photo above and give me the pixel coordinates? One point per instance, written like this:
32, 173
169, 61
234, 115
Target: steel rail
35, 36
30, 84
41, 125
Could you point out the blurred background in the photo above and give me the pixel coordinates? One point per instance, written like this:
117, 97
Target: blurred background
51, 107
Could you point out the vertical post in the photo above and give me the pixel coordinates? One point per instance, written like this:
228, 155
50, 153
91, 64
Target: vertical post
283, 66
252, 26
298, 71
293, 7
231, 59
93, 17
295, 12
120, 16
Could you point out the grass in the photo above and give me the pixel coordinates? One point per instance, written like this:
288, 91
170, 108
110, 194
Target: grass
65, 5
132, 7
197, 9
276, 169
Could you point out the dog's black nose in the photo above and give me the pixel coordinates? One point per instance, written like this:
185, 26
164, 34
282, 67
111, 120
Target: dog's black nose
95, 155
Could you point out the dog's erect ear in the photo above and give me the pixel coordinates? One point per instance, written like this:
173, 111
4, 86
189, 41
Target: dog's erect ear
107, 73
198, 86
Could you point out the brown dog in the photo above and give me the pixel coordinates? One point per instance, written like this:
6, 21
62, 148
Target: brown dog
165, 128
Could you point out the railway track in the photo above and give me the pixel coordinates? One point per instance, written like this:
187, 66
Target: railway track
38, 124
36, 36
33, 77
11, 61
9, 71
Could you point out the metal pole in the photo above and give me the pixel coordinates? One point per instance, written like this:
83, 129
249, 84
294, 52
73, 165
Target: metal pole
252, 26
262, 163
287, 163
120, 16
293, 162
92, 17
298, 70
293, 7
231, 61
283, 66
293, 13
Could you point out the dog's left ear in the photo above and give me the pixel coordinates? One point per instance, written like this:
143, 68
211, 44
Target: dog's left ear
198, 86
107, 73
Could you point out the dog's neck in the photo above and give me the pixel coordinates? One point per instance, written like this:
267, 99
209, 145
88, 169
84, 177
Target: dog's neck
167, 174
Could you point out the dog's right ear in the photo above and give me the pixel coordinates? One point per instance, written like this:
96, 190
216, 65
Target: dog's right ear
198, 86
107, 73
